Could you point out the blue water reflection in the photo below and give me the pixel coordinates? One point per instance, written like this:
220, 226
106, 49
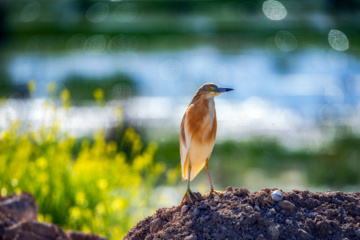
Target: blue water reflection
303, 81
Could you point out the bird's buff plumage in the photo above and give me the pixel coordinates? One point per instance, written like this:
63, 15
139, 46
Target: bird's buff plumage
198, 132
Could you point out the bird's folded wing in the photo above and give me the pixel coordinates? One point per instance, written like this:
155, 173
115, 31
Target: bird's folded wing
185, 141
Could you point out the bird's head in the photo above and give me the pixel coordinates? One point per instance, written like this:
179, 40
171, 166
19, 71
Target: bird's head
212, 89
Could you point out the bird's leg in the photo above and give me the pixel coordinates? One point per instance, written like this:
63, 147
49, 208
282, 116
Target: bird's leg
188, 191
208, 173
212, 190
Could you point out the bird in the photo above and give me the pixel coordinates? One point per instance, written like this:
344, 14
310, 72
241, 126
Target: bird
197, 135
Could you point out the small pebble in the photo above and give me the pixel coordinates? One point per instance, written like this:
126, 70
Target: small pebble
304, 235
273, 232
203, 206
272, 211
288, 222
257, 208
277, 196
286, 205
191, 237
184, 209
241, 192
247, 236
197, 211
155, 225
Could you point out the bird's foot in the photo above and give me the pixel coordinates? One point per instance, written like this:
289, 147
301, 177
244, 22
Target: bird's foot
189, 194
215, 191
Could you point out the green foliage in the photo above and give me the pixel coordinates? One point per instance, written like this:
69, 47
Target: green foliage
338, 163
99, 189
118, 86
335, 165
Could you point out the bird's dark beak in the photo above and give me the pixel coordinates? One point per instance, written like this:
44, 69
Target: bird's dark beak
221, 90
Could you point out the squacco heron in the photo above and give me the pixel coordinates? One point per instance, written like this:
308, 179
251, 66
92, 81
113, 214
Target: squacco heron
197, 134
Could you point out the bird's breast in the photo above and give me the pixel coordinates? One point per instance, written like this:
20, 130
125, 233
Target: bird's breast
202, 121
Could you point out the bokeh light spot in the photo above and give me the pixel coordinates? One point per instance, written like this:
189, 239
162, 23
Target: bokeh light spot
285, 41
274, 10
95, 45
30, 12
126, 12
76, 42
123, 43
97, 12
338, 40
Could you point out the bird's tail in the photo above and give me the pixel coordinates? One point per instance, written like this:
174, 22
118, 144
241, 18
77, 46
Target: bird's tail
185, 168
194, 169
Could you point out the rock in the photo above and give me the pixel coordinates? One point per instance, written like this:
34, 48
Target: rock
197, 211
75, 235
191, 237
241, 192
277, 196
303, 235
229, 189
286, 205
184, 209
21, 207
203, 206
272, 211
357, 232
34, 230
18, 221
273, 232
155, 225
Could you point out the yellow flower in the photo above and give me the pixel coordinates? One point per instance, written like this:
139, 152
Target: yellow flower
51, 87
75, 213
14, 182
98, 94
31, 86
118, 112
102, 183
80, 199
3, 101
100, 209
65, 95
111, 147
41, 163
5, 135
118, 204
3, 192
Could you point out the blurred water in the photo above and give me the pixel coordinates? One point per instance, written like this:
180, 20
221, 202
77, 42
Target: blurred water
304, 81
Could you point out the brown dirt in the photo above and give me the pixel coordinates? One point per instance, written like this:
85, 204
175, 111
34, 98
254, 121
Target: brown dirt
18, 221
239, 214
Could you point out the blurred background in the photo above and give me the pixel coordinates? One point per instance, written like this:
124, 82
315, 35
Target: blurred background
93, 93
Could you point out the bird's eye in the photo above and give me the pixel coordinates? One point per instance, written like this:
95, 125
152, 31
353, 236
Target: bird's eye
211, 89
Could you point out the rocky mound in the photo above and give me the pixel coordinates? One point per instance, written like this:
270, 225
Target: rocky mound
18, 221
239, 214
